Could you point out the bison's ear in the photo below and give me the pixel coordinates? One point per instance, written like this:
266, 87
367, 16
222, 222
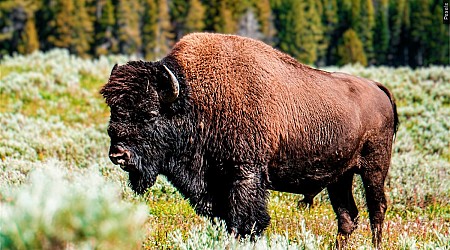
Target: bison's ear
170, 88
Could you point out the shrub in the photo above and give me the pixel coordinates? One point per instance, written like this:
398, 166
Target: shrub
57, 209
215, 236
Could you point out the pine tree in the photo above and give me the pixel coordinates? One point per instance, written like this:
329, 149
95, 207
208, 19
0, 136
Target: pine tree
365, 27
381, 31
421, 22
265, 18
82, 30
179, 11
29, 41
219, 17
313, 33
359, 16
72, 26
345, 22
249, 25
299, 29
128, 31
211, 14
400, 32
406, 35
330, 28
355, 15
5, 25
225, 22
104, 40
254, 19
17, 27
62, 25
149, 28
437, 48
156, 31
238, 8
350, 49
164, 35
44, 16
195, 17
345, 13
396, 24
330, 13
289, 25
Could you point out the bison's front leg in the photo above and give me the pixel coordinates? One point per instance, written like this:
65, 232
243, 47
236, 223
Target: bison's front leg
247, 202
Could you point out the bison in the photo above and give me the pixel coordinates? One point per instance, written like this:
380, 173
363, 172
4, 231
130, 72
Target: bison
227, 118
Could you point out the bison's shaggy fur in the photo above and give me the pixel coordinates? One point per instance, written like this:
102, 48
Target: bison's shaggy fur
226, 118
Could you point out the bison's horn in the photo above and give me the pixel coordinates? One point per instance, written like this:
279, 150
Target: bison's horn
114, 68
175, 86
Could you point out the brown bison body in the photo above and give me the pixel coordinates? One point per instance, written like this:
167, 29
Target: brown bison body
226, 118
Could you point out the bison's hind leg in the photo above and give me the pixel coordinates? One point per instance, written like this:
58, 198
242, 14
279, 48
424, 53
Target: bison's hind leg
375, 163
344, 206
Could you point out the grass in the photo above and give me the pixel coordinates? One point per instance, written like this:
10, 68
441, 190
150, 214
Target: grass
53, 149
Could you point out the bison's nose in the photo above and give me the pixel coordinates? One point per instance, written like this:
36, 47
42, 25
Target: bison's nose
119, 155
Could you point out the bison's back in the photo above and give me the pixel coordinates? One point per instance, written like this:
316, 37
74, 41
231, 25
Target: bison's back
263, 102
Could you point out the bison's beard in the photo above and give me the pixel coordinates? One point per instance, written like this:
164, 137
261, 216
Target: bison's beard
140, 181
142, 177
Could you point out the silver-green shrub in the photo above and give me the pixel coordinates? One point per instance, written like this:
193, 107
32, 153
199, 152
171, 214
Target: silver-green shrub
215, 236
58, 209
33, 139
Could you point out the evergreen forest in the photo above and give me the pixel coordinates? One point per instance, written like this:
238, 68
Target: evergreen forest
316, 32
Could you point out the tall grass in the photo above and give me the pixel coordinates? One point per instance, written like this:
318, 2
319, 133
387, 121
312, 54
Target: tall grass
59, 190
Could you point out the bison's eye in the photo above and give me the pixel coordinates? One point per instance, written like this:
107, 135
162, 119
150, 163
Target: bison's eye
112, 134
116, 134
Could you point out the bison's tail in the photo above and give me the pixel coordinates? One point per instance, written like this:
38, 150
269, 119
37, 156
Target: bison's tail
394, 106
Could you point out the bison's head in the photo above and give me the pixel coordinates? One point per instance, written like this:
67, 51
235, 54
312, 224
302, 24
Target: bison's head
141, 136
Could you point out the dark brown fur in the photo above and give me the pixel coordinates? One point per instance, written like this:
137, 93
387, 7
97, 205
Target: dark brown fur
250, 118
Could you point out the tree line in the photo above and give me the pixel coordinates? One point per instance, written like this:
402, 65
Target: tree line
316, 32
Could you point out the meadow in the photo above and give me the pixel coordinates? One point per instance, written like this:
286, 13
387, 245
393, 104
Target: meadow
58, 189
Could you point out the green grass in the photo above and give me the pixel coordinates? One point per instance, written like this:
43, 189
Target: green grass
52, 114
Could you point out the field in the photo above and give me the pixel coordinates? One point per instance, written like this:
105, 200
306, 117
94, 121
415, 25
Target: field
58, 189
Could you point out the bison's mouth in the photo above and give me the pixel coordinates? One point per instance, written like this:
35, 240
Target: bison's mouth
141, 173
128, 167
